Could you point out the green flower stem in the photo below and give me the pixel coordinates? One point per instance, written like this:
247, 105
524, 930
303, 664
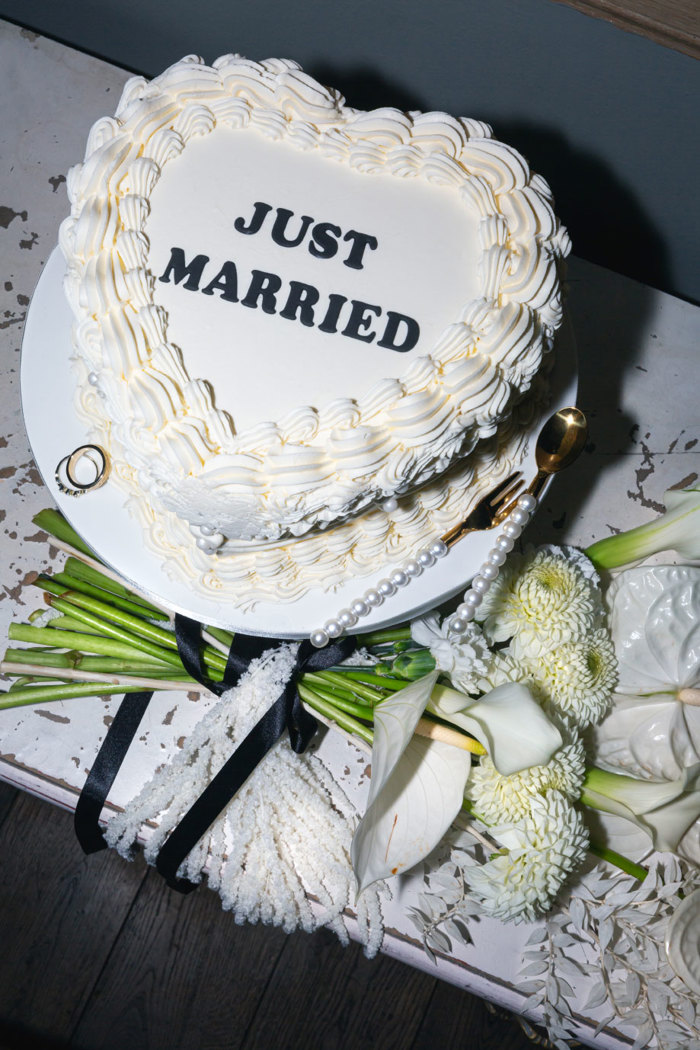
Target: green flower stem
106, 612
73, 659
637, 871
42, 694
66, 580
91, 643
67, 623
389, 634
372, 696
386, 682
225, 637
81, 571
122, 626
350, 707
119, 634
328, 710
55, 524
314, 681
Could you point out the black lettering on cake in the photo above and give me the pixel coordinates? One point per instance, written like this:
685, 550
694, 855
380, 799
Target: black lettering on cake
226, 281
330, 321
400, 334
301, 300
279, 229
360, 241
324, 240
257, 218
325, 236
263, 286
393, 324
360, 320
180, 269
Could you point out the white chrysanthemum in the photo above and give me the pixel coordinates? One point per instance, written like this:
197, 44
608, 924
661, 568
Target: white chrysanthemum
540, 600
497, 798
465, 658
578, 678
540, 851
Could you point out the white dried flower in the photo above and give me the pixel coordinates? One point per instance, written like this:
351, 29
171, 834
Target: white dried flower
540, 600
577, 678
466, 658
498, 798
539, 852
283, 840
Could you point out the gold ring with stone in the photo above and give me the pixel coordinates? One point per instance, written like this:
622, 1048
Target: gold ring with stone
66, 480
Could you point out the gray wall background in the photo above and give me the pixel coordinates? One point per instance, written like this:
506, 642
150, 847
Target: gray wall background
609, 118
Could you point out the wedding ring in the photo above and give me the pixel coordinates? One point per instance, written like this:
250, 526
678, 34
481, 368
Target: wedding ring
66, 480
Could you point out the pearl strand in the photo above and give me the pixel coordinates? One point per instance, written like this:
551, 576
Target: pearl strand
377, 595
401, 577
473, 596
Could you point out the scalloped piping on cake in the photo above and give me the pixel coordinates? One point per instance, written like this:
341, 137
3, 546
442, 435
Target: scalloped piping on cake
313, 468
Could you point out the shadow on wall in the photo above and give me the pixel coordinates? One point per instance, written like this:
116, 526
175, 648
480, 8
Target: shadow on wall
606, 223
607, 227
604, 218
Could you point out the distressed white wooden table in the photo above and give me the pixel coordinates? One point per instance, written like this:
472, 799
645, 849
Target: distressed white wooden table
638, 352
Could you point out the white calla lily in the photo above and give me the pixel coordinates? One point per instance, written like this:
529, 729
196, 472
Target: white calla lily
416, 791
653, 729
418, 785
508, 721
665, 810
677, 529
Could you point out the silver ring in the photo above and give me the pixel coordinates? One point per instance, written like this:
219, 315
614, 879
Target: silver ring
65, 471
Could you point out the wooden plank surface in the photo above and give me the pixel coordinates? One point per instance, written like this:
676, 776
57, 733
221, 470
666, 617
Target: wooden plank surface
672, 23
98, 954
60, 914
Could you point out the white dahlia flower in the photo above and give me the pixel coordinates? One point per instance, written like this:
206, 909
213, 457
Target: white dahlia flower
540, 600
539, 852
497, 798
577, 679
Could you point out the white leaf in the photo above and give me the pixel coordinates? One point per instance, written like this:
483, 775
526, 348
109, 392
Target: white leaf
605, 932
597, 995
577, 911
406, 820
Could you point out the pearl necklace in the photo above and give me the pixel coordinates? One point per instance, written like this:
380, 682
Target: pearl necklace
402, 576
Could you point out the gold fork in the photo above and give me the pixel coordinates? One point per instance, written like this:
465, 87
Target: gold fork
489, 511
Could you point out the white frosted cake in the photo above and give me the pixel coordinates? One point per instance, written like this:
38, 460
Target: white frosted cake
307, 336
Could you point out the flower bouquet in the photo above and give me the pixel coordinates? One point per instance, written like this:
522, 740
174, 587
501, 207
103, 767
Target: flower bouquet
491, 740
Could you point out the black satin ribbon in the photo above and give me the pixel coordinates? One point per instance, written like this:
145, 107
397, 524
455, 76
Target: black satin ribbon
287, 712
104, 770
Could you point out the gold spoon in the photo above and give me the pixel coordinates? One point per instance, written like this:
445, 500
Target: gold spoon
559, 443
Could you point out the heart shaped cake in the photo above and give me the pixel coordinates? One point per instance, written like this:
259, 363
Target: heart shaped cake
292, 316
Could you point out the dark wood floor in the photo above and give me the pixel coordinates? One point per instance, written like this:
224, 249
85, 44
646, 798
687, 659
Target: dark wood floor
96, 953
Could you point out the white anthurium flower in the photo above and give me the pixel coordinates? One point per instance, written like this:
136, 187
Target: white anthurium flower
665, 810
416, 791
508, 721
678, 529
653, 730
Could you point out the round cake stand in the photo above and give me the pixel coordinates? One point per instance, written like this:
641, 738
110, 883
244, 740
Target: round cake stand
106, 525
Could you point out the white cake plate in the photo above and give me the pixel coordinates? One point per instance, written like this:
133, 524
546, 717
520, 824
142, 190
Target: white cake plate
101, 518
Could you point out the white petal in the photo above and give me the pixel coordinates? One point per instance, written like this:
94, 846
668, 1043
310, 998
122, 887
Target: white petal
655, 623
655, 736
395, 720
407, 819
510, 724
